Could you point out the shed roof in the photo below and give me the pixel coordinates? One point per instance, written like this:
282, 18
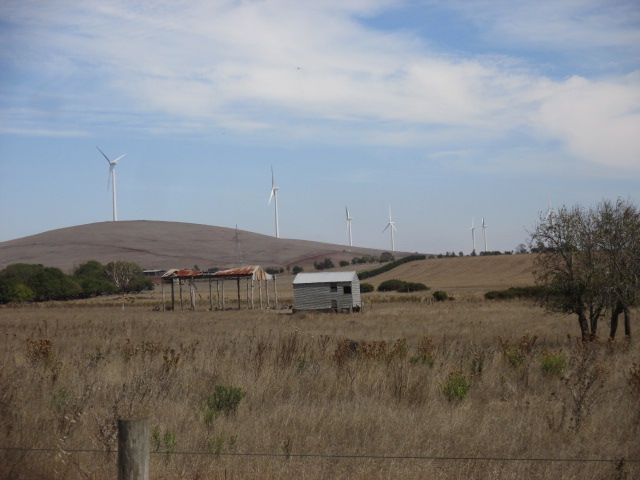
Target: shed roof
324, 277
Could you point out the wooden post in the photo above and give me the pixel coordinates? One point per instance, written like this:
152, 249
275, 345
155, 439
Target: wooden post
162, 285
192, 293
252, 294
275, 290
266, 287
222, 294
180, 284
173, 296
210, 296
248, 300
238, 284
133, 449
260, 292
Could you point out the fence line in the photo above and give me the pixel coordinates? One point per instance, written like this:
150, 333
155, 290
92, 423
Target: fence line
341, 456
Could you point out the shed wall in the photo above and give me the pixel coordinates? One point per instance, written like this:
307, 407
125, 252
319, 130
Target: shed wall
318, 296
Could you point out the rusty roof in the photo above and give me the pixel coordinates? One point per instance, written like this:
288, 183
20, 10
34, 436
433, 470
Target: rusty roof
255, 272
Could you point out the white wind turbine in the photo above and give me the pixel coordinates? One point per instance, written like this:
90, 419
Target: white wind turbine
391, 224
473, 233
484, 232
274, 196
349, 218
112, 180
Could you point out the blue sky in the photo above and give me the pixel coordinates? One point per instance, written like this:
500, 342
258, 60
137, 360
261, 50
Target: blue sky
446, 111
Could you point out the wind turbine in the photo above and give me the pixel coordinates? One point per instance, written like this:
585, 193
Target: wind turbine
549, 212
112, 180
473, 233
484, 232
391, 224
349, 218
274, 196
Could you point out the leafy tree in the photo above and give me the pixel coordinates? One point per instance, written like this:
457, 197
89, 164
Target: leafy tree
92, 278
324, 264
344, 263
386, 257
51, 283
14, 292
296, 269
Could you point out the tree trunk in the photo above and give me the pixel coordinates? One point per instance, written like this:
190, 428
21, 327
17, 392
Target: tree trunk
584, 327
615, 313
627, 322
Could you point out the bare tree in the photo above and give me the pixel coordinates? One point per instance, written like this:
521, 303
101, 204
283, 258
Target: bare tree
568, 267
618, 228
588, 263
123, 274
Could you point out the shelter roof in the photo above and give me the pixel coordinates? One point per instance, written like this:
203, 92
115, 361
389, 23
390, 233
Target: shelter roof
324, 277
254, 272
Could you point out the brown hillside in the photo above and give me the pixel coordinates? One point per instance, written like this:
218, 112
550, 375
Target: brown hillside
163, 245
468, 275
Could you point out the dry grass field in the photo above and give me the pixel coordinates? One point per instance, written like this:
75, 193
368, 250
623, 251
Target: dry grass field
493, 386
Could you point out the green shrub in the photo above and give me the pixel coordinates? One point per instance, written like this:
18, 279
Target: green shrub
344, 263
366, 288
225, 399
553, 363
391, 285
297, 269
456, 386
440, 296
414, 287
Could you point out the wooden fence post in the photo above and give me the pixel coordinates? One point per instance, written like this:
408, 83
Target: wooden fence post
133, 449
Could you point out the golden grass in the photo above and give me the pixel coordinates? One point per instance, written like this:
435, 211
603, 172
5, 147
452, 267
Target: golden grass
69, 372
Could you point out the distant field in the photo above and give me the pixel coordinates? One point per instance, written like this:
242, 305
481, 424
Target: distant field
457, 389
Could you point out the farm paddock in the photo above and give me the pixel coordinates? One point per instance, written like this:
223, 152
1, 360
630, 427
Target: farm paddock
68, 372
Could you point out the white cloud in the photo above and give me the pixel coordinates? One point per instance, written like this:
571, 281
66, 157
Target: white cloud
314, 70
598, 120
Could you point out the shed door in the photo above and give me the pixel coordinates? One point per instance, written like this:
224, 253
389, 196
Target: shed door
334, 305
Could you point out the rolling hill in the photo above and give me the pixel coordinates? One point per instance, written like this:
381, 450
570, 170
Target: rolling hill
164, 245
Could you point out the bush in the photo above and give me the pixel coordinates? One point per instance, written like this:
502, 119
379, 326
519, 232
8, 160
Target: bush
225, 399
514, 292
366, 288
440, 296
344, 263
297, 269
456, 386
553, 363
324, 265
392, 285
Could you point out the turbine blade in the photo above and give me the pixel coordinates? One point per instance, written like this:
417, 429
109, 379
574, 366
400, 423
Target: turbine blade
103, 154
271, 196
385, 228
117, 159
273, 181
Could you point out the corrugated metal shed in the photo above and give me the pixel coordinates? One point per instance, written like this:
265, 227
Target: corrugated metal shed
327, 292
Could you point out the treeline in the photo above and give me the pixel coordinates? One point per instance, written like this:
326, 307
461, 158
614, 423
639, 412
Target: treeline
390, 266
22, 282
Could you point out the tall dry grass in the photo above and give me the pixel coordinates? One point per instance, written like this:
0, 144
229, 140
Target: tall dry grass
67, 375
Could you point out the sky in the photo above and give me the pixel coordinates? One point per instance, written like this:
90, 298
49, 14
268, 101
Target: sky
443, 112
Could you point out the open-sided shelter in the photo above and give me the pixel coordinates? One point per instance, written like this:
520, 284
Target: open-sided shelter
250, 275
327, 292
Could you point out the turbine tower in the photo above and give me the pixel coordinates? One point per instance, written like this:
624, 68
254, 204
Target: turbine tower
349, 218
112, 180
274, 196
391, 224
484, 232
473, 234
